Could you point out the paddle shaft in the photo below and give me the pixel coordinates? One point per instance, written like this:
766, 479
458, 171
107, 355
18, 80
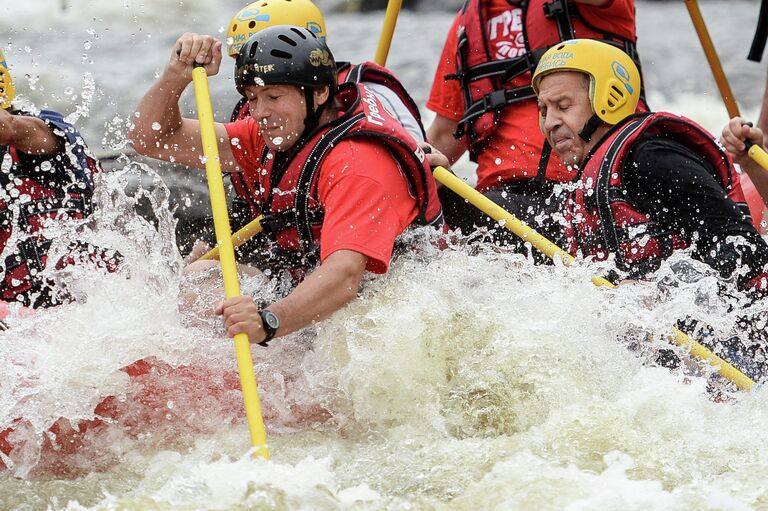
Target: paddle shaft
387, 31
525, 232
712, 58
227, 258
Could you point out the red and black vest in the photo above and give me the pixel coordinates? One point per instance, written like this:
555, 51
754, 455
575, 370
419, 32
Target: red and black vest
37, 189
245, 187
485, 81
287, 188
602, 219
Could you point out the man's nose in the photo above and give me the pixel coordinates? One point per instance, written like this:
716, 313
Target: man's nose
550, 122
258, 111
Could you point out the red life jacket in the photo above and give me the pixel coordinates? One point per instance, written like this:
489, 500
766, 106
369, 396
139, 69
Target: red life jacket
486, 82
288, 189
245, 207
57, 187
601, 219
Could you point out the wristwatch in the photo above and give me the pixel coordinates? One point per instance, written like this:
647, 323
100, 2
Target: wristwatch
271, 324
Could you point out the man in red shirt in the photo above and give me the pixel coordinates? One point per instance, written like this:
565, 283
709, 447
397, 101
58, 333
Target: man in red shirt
483, 100
335, 176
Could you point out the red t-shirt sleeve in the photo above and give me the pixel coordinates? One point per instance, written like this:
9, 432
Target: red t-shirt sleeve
445, 96
366, 201
618, 17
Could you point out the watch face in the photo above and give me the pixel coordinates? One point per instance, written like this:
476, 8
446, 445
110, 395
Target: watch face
271, 320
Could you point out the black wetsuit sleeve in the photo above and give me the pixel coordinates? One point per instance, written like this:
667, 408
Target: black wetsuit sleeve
681, 191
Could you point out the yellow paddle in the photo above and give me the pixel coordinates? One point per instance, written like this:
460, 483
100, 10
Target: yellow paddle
228, 267
387, 31
247, 232
552, 251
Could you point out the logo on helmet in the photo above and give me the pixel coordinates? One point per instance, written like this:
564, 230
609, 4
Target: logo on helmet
267, 68
252, 14
320, 58
315, 28
554, 60
622, 73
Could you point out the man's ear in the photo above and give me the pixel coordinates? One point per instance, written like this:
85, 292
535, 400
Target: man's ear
321, 95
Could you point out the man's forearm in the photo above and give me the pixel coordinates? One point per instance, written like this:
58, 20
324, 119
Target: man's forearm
29, 135
157, 116
440, 135
331, 286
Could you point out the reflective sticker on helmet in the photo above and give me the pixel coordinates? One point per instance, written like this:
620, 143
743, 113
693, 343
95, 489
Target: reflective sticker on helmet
622, 73
316, 29
252, 15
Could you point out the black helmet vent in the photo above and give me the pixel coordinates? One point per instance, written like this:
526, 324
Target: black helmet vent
287, 40
252, 50
281, 54
300, 33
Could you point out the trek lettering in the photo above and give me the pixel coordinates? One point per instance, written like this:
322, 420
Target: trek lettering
264, 69
508, 22
505, 34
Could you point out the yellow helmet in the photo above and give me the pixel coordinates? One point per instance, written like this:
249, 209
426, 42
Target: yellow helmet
7, 90
614, 79
267, 13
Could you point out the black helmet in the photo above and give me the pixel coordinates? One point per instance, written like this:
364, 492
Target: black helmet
285, 54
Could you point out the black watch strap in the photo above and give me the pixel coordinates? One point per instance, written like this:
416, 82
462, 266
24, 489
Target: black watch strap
270, 323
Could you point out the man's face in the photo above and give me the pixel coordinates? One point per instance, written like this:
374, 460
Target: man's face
280, 111
564, 108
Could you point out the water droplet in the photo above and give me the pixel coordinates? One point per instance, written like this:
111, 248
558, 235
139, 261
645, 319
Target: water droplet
156, 126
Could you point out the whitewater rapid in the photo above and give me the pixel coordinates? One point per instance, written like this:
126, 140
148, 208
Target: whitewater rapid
466, 378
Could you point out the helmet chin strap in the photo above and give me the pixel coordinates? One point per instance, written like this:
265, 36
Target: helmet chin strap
590, 127
312, 120
313, 116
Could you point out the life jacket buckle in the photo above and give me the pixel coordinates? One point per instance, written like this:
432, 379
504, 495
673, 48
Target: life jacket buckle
495, 100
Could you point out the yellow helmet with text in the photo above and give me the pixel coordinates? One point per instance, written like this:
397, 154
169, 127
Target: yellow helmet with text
268, 13
614, 89
7, 90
